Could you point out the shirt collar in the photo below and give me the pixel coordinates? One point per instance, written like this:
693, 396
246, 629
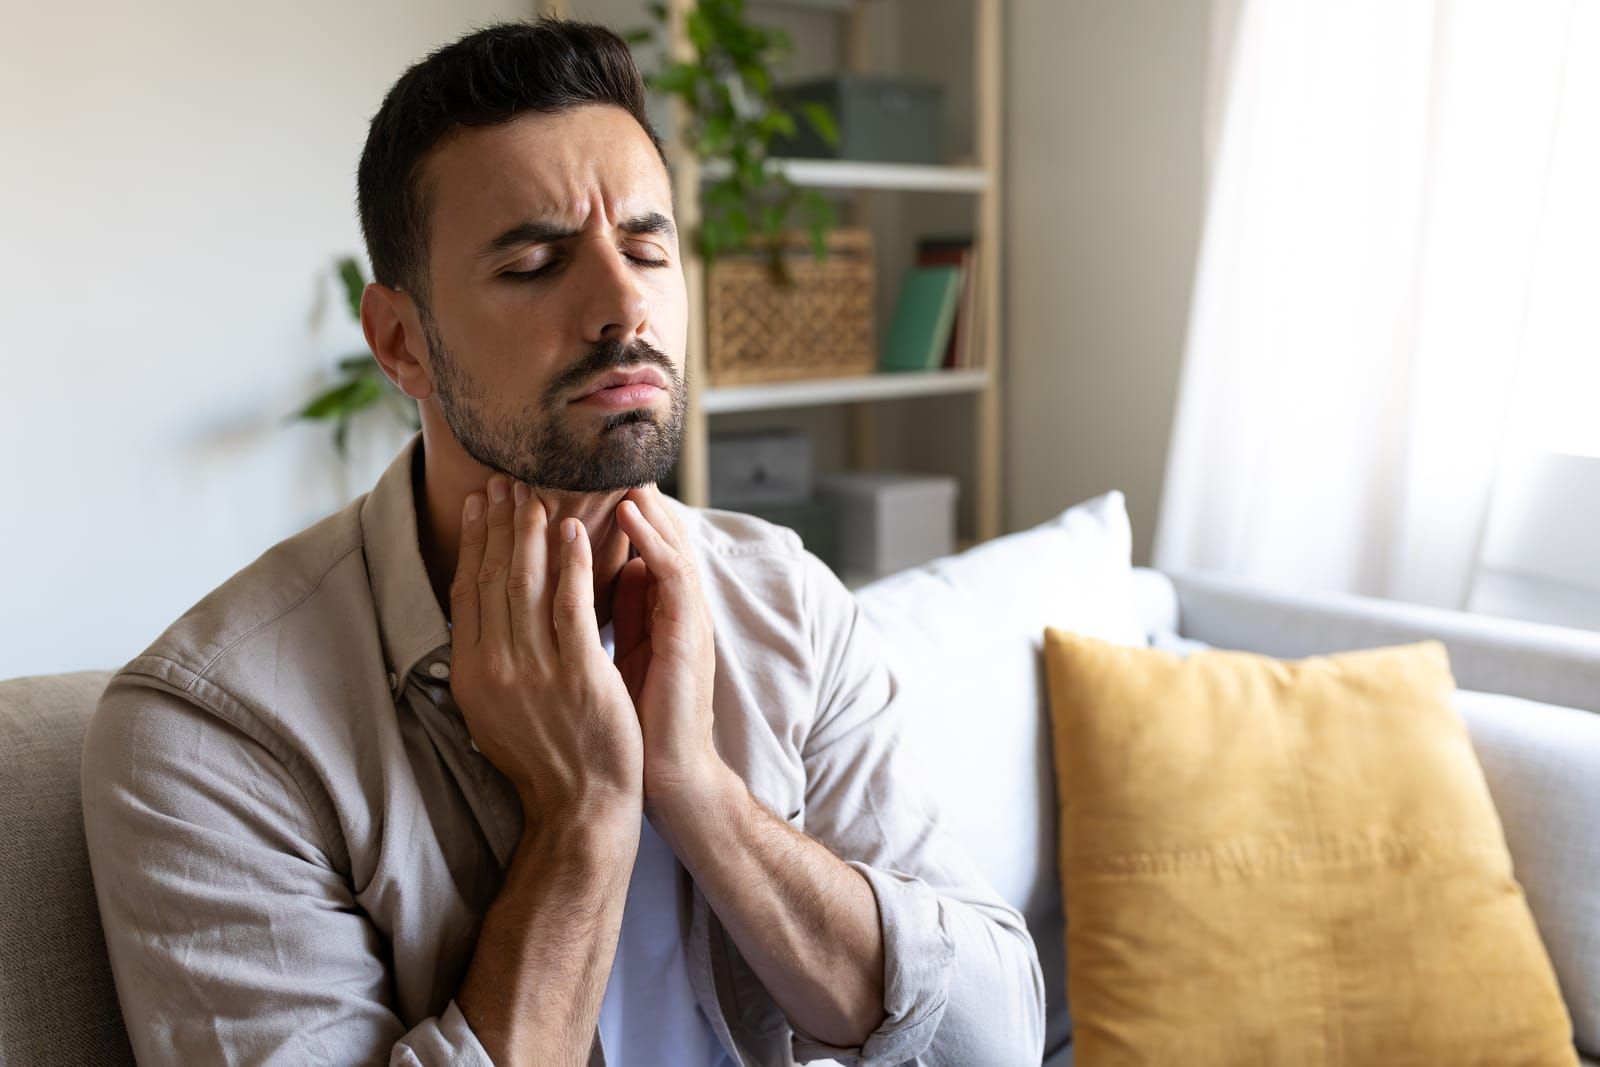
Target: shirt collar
410, 623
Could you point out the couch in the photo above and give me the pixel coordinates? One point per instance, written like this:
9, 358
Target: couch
1530, 695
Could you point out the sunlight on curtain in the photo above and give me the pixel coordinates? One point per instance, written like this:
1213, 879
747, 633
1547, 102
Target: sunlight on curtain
1380, 242
1557, 407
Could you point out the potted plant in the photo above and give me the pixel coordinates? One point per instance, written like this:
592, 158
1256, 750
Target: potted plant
361, 382
770, 316
735, 115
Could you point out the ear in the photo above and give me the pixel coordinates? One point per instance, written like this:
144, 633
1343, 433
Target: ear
393, 330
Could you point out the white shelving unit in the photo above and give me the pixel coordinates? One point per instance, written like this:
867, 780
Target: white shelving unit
848, 174
981, 180
720, 400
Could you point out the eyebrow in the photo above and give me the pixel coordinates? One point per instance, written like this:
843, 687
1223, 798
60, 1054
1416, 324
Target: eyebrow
539, 231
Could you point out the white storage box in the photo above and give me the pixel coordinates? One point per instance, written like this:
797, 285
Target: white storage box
889, 521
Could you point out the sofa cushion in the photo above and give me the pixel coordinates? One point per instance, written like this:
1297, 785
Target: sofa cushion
1287, 862
963, 636
1542, 763
57, 1000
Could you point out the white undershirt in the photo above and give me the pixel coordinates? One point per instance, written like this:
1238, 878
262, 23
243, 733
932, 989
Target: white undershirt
649, 1015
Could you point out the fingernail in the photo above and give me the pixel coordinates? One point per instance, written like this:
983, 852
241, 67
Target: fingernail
474, 506
569, 529
497, 490
521, 493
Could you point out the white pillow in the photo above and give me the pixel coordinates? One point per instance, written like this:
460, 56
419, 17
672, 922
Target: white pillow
964, 636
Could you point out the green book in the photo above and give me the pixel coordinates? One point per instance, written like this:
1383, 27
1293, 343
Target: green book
922, 319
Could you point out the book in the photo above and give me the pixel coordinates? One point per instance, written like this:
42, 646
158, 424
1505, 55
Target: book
957, 252
923, 318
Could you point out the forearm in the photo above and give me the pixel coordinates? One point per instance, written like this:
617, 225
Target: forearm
538, 974
806, 921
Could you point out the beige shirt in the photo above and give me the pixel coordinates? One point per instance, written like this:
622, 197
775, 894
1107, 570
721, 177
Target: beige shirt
294, 840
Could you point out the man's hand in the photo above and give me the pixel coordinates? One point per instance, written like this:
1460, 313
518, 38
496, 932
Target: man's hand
540, 697
665, 653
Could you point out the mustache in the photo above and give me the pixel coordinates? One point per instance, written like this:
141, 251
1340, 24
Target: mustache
607, 355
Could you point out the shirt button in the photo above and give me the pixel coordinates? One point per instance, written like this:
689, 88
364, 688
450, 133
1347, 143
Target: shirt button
391, 680
439, 670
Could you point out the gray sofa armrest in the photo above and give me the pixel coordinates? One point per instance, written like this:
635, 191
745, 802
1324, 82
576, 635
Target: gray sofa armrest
1550, 664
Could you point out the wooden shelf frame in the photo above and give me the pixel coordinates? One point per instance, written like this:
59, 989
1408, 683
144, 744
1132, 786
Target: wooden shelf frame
984, 181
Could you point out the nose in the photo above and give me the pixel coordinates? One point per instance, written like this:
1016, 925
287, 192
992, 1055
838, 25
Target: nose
612, 303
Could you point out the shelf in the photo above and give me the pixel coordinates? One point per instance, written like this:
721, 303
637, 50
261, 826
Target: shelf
849, 174
808, 393
837, 7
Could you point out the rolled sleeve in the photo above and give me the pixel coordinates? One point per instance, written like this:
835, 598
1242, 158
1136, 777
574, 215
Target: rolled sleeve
962, 982
446, 1041
917, 952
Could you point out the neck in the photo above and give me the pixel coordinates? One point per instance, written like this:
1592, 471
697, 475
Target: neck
441, 486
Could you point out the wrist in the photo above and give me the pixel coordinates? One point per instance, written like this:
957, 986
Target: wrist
700, 801
596, 824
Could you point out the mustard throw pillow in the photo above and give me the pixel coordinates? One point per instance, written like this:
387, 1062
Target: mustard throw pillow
1268, 862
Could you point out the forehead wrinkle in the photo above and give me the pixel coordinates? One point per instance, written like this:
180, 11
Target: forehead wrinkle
530, 176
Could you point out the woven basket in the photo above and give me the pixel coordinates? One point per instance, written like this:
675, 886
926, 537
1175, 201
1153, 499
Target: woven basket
820, 326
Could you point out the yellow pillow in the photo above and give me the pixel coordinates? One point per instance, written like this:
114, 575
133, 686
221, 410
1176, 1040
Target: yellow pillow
1272, 862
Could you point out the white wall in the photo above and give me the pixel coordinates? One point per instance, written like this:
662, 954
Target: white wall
176, 178
1105, 179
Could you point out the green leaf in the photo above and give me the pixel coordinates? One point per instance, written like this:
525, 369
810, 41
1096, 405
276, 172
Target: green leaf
738, 225
678, 78
330, 403
658, 11
821, 120
643, 35
350, 273
776, 123
717, 133
356, 362
772, 216
819, 208
756, 76
369, 390
701, 33
352, 396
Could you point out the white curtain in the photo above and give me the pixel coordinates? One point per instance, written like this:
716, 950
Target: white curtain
1378, 188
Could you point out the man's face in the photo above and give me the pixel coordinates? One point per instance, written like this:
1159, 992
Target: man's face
582, 199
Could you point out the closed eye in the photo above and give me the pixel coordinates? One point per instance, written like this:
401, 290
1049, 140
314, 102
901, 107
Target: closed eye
530, 275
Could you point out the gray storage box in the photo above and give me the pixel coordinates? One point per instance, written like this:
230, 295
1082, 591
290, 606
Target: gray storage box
770, 467
890, 521
881, 120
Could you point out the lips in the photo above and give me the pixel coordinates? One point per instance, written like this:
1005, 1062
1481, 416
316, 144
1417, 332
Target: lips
645, 377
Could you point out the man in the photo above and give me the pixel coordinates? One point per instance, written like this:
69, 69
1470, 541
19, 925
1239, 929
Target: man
514, 759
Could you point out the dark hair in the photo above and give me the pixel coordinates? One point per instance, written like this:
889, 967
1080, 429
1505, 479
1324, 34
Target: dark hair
485, 78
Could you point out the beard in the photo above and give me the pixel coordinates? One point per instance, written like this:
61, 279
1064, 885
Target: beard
541, 445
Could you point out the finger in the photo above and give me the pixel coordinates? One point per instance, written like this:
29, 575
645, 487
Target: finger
527, 583
464, 588
577, 632
666, 564
628, 606
494, 616
654, 504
